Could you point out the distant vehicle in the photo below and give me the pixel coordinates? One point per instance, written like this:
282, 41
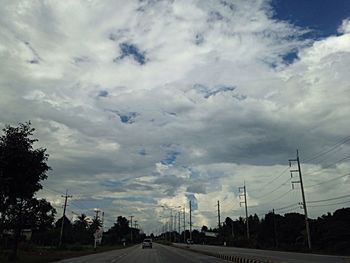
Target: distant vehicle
189, 242
147, 243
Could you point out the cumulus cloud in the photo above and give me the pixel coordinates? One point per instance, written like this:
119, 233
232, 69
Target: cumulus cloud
153, 102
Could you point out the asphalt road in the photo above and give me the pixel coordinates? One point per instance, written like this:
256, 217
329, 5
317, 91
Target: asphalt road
268, 255
158, 254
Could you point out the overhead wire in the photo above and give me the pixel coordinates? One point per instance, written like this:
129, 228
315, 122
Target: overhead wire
329, 199
275, 178
279, 197
339, 203
328, 181
286, 207
329, 165
274, 190
321, 153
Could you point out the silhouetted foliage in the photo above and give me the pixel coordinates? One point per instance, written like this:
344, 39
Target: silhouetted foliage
22, 168
329, 233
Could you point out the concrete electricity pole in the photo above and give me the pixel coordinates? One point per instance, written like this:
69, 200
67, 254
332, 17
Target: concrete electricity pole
184, 224
179, 223
302, 195
131, 227
243, 193
190, 220
219, 221
97, 211
274, 228
66, 196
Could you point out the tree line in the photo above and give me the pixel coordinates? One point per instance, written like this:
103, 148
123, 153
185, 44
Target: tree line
330, 233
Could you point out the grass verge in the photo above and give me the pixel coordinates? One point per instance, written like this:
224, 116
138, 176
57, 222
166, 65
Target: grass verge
46, 254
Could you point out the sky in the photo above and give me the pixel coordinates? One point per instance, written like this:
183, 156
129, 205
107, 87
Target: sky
146, 105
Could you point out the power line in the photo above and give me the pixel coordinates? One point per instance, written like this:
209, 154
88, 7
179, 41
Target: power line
274, 190
52, 190
279, 197
336, 145
275, 178
285, 207
339, 203
330, 199
289, 211
330, 180
329, 165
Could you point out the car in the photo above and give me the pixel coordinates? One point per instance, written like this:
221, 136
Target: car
147, 243
189, 242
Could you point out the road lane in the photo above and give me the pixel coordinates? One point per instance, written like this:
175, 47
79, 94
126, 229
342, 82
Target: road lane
158, 254
166, 254
104, 257
275, 256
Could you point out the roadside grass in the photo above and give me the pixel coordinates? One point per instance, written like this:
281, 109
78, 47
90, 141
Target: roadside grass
47, 254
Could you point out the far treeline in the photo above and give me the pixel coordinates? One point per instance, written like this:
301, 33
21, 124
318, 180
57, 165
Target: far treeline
330, 233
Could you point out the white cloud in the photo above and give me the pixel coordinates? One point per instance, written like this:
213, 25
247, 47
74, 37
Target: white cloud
62, 68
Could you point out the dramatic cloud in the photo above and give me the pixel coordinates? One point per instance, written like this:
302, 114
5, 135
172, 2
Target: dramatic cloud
143, 104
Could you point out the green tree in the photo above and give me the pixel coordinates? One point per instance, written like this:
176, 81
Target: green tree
120, 230
22, 168
80, 229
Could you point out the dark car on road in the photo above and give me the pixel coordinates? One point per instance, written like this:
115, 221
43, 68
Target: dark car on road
147, 243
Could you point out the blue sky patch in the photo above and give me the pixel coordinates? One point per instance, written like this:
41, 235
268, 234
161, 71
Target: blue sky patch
194, 202
142, 199
208, 92
142, 152
170, 113
290, 57
128, 117
199, 39
125, 117
170, 158
215, 16
323, 17
102, 93
131, 50
112, 184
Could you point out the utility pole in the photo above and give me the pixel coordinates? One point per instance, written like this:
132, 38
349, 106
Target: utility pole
219, 222
97, 211
232, 233
184, 225
243, 193
179, 214
274, 228
171, 224
103, 218
302, 195
66, 196
190, 220
131, 227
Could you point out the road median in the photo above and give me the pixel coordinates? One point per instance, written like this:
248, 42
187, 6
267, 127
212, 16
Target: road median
227, 257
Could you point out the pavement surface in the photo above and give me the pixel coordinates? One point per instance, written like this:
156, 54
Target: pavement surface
158, 254
268, 255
